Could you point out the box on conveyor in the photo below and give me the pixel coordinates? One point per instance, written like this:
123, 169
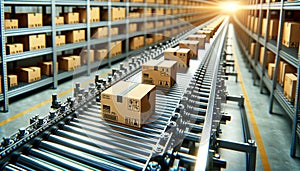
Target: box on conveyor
182, 56
193, 45
128, 103
159, 72
199, 37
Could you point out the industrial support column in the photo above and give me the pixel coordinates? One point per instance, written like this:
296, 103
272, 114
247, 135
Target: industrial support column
54, 53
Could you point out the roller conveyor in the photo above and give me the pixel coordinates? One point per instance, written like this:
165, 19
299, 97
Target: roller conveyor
75, 137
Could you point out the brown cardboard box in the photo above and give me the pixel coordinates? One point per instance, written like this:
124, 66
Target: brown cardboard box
14, 48
58, 20
116, 14
252, 23
252, 49
159, 24
71, 17
290, 86
149, 40
12, 80
157, 37
158, 11
168, 11
271, 69
116, 48
210, 30
193, 45
207, 33
84, 56
101, 54
145, 12
128, 103
36, 72
182, 56
263, 27
270, 57
33, 42
59, 40
94, 14
114, 31
75, 36
26, 75
160, 1
149, 26
47, 68
136, 42
248, 21
199, 37
255, 26
134, 15
273, 28
167, 33
174, 31
167, 22
30, 20
283, 69
291, 34
66, 63
100, 32
159, 73
150, 1
11, 23
132, 27
139, 1
76, 61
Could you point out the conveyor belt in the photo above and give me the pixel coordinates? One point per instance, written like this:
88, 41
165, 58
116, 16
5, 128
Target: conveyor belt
78, 139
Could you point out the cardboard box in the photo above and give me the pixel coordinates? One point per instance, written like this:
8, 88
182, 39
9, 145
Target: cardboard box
206, 33
159, 73
263, 27
14, 48
270, 57
101, 54
273, 28
149, 26
159, 24
116, 14
150, 1
59, 20
30, 74
114, 31
252, 49
59, 40
255, 26
33, 42
182, 56
158, 11
37, 72
47, 68
132, 27
71, 17
167, 22
30, 20
283, 69
210, 30
128, 103
271, 69
75, 36
193, 45
168, 11
167, 33
291, 34
84, 56
94, 14
11, 23
100, 32
290, 86
145, 12
136, 42
252, 23
116, 48
12, 80
134, 15
160, 1
199, 37
149, 40
66, 63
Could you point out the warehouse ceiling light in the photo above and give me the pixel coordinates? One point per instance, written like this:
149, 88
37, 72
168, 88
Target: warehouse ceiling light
229, 6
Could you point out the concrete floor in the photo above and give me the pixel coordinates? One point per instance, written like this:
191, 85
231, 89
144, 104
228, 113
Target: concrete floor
275, 130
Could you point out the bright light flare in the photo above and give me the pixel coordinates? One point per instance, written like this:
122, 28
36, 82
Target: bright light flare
230, 7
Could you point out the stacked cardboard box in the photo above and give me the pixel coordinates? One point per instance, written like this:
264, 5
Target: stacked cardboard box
206, 33
128, 103
47, 68
71, 17
12, 80
100, 32
199, 37
101, 54
270, 57
160, 73
75, 36
69, 63
30, 20
193, 45
116, 14
291, 34
59, 20
182, 56
94, 14
59, 40
29, 74
14, 48
11, 23
136, 42
290, 86
284, 68
33, 42
84, 57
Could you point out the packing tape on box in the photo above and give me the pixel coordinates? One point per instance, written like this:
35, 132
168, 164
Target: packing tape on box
120, 96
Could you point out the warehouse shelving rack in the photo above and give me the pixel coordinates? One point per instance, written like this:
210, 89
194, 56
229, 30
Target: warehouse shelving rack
281, 52
53, 29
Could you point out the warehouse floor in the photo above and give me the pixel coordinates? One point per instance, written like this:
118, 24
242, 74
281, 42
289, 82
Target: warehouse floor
271, 132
